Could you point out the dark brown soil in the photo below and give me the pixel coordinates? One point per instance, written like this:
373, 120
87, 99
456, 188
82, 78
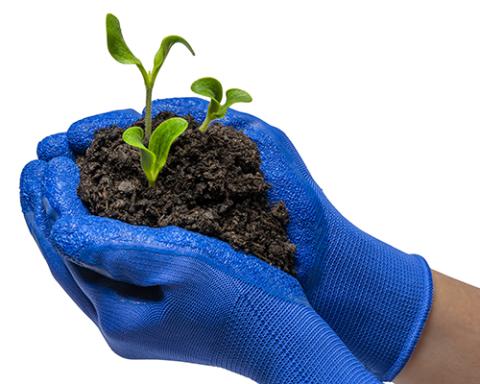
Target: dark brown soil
212, 184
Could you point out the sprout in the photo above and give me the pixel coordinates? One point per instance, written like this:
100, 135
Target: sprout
211, 88
120, 52
154, 158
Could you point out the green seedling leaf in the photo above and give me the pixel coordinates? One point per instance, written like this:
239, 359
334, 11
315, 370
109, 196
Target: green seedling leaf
154, 158
165, 46
212, 88
236, 95
117, 46
134, 136
208, 87
162, 139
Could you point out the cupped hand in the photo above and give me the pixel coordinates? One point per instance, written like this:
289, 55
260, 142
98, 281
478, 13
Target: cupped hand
168, 293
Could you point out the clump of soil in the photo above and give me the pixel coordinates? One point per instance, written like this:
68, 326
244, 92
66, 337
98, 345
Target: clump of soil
212, 184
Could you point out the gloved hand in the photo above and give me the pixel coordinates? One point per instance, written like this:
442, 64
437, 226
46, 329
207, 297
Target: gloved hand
375, 297
168, 293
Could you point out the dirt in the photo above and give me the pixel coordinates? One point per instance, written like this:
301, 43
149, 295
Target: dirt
212, 184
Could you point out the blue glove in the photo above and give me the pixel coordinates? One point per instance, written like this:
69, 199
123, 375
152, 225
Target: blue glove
167, 293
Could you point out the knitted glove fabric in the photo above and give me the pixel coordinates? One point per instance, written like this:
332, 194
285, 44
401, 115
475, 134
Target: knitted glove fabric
167, 293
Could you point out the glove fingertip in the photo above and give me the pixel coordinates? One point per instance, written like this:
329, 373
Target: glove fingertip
54, 146
31, 186
61, 181
181, 106
81, 133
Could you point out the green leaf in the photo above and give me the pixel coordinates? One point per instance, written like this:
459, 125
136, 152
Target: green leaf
116, 43
165, 46
162, 139
236, 95
208, 87
134, 136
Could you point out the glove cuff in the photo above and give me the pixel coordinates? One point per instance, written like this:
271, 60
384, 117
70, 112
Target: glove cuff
418, 322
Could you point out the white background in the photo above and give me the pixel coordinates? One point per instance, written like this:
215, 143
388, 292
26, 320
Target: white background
381, 98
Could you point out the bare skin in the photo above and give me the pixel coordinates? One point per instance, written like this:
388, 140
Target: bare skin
449, 349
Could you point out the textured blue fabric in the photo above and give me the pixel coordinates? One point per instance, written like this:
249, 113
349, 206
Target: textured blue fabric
54, 146
375, 297
167, 293
80, 134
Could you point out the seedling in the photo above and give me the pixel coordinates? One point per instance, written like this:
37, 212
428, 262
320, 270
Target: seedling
154, 158
120, 52
212, 88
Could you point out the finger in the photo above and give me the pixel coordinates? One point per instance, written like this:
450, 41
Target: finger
31, 189
54, 146
81, 133
159, 256
193, 106
39, 224
62, 177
